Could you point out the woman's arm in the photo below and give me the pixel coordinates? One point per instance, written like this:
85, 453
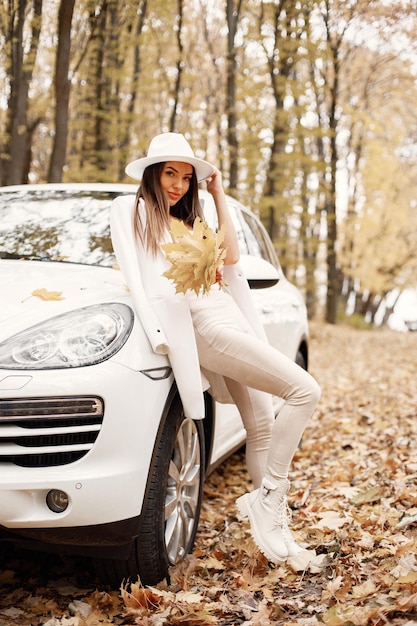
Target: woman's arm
215, 187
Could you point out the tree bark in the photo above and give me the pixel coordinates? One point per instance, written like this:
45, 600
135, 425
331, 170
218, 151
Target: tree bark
232, 16
280, 61
334, 42
180, 67
333, 285
62, 91
124, 142
19, 74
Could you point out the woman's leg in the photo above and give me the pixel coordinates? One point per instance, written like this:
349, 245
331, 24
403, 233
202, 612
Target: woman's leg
255, 364
256, 410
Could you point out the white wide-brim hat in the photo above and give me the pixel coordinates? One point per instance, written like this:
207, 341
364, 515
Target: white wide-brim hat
169, 147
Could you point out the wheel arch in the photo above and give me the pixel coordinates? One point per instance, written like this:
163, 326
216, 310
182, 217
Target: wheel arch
208, 428
173, 396
303, 350
208, 423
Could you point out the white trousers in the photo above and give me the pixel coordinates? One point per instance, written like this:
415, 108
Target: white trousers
254, 371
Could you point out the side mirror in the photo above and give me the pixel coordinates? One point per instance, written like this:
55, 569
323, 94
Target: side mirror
259, 273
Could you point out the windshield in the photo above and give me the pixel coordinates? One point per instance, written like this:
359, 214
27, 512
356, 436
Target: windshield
73, 226
57, 225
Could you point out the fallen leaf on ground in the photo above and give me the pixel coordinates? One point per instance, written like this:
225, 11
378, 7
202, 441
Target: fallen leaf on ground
360, 442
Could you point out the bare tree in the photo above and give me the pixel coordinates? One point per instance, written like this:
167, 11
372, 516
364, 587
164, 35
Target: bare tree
135, 28
334, 39
62, 91
280, 60
180, 65
233, 9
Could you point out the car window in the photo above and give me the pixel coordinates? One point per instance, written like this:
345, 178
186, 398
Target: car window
252, 236
258, 241
210, 215
240, 230
69, 226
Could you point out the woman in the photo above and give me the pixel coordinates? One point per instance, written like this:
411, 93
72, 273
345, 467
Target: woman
215, 341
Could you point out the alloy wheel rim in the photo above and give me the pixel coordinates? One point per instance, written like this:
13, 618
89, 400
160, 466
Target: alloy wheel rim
183, 491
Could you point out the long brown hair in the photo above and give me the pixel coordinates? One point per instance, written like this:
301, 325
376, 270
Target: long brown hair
157, 209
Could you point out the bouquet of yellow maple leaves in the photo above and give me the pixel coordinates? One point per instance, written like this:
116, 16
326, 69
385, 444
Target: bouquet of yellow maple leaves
195, 256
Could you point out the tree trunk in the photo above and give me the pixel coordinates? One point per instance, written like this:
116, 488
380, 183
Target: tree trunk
19, 73
333, 282
124, 134
180, 67
62, 91
389, 310
100, 136
232, 16
280, 62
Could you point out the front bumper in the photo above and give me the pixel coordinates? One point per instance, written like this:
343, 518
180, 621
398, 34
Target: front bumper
113, 540
107, 485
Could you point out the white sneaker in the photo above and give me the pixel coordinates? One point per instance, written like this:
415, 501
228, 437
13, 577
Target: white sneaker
266, 509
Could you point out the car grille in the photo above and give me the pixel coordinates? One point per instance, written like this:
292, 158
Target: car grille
46, 432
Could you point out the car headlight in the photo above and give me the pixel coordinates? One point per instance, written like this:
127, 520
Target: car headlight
83, 337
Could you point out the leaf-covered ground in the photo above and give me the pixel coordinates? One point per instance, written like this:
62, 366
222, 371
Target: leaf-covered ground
354, 501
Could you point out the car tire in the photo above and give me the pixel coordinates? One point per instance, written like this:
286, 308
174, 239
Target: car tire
171, 509
300, 359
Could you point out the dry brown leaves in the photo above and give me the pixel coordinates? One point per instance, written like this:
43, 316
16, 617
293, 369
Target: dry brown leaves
354, 500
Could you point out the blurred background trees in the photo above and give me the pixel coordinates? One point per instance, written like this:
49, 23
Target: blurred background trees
307, 107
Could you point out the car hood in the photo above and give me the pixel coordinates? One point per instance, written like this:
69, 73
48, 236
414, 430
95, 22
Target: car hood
75, 285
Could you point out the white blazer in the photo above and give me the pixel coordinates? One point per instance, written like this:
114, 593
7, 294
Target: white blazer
165, 315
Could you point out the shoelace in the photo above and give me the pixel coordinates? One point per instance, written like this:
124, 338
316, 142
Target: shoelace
281, 510
287, 534
283, 517
286, 520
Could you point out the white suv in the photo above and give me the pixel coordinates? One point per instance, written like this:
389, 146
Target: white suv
96, 457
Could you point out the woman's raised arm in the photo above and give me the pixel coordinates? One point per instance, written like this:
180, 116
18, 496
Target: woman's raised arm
215, 187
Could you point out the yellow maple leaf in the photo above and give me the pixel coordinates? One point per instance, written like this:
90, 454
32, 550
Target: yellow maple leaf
195, 256
44, 294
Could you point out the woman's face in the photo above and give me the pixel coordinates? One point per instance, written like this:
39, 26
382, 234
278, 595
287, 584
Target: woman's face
175, 180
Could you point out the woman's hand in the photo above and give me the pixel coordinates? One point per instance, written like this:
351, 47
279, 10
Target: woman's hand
215, 182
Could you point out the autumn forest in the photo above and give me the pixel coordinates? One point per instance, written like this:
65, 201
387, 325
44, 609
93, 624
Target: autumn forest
307, 107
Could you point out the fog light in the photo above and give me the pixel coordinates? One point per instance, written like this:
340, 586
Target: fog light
57, 500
